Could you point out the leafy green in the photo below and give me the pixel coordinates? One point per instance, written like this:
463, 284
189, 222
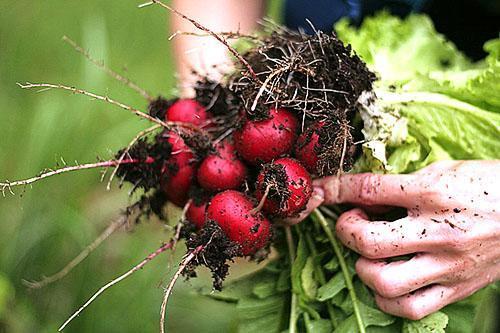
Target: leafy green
434, 323
397, 50
332, 287
430, 103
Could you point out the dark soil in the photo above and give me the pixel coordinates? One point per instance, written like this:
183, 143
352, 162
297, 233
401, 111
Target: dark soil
145, 175
275, 177
158, 107
316, 76
217, 251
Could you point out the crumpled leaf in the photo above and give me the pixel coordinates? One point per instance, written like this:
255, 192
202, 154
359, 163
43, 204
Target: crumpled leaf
434, 323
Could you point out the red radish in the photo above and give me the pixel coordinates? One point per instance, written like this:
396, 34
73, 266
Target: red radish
232, 211
187, 111
196, 213
307, 145
177, 183
222, 170
178, 171
262, 141
290, 187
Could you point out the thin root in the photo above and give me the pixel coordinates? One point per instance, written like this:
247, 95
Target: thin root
216, 36
167, 125
7, 185
78, 259
262, 201
182, 266
108, 71
150, 257
125, 152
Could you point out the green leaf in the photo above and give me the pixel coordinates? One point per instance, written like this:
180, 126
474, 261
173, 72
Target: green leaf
332, 265
317, 326
371, 317
265, 287
397, 50
298, 266
309, 284
434, 323
261, 315
244, 286
283, 283
331, 288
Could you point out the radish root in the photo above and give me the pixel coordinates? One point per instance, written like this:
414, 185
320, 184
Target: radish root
167, 125
125, 152
7, 185
215, 35
122, 277
129, 83
78, 259
182, 266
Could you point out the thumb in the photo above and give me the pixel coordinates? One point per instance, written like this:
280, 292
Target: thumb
316, 200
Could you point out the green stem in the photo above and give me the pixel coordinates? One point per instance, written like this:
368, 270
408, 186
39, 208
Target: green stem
292, 326
336, 248
426, 98
321, 277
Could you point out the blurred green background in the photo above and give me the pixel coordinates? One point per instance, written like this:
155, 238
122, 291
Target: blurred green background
43, 227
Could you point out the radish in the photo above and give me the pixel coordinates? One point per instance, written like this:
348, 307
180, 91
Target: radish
233, 212
196, 213
222, 170
306, 148
285, 186
188, 111
264, 140
178, 171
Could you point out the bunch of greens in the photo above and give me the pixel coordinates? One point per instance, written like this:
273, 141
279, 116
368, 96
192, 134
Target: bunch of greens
430, 103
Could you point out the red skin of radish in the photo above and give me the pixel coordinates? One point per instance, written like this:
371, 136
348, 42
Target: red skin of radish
262, 141
188, 111
179, 170
223, 170
177, 184
299, 183
181, 154
306, 152
196, 214
232, 211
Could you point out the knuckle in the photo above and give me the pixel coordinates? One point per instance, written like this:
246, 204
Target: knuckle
366, 245
459, 241
369, 187
385, 285
414, 313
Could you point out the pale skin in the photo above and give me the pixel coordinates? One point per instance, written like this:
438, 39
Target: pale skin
453, 223
452, 228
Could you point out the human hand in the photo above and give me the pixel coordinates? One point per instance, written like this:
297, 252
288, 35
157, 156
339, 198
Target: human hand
452, 227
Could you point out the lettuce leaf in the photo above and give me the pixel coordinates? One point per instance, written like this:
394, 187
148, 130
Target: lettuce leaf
450, 105
430, 103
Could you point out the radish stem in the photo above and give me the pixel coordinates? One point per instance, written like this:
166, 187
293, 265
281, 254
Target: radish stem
292, 326
320, 219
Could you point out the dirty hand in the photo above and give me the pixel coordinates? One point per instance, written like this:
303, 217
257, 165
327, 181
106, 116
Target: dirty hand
452, 228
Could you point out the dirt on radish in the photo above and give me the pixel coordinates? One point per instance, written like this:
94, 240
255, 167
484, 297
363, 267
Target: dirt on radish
245, 149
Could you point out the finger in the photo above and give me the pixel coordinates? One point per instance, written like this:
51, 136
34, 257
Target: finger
371, 189
420, 303
316, 200
379, 239
401, 277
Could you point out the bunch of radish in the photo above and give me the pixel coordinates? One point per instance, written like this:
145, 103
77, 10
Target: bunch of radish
263, 170
241, 155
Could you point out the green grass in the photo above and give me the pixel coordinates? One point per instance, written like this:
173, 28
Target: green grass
43, 227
